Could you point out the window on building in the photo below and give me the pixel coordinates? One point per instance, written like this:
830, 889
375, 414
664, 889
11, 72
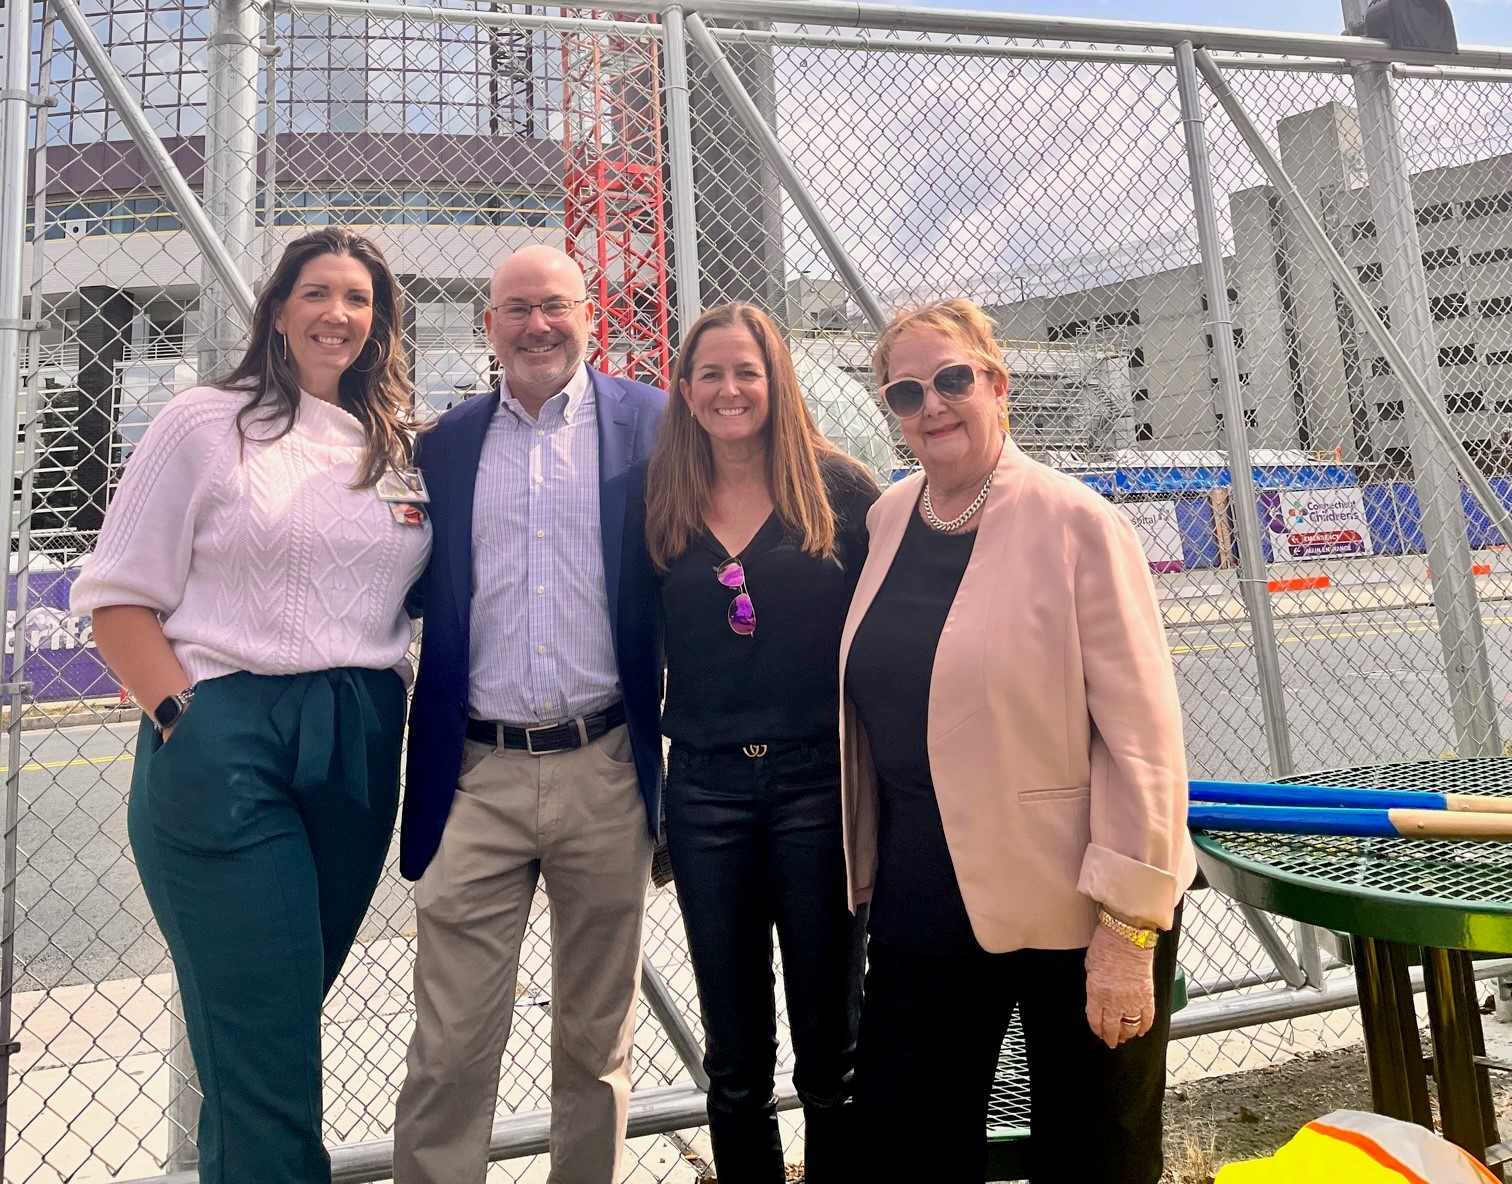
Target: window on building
1462, 401
1067, 332
1441, 258
1144, 432
1494, 203
1398, 459
1390, 410
1251, 419
1231, 293
1497, 306
1370, 272
1380, 367
1504, 406
1457, 355
1499, 357
1244, 378
1361, 230
1385, 314
1450, 307
1142, 395
1113, 320
1136, 358
1238, 337
1439, 212
1496, 255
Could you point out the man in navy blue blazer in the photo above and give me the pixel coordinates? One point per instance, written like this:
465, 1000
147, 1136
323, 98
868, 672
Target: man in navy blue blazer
535, 734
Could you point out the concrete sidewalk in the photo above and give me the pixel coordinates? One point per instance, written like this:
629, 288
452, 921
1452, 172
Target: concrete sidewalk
91, 1079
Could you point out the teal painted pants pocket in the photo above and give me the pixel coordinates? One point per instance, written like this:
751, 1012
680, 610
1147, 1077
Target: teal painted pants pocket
260, 829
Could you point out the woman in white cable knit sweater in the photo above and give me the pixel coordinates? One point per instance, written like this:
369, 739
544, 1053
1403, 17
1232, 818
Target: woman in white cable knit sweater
255, 560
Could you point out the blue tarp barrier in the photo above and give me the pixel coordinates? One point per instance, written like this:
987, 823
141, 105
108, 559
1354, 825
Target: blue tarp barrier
1199, 538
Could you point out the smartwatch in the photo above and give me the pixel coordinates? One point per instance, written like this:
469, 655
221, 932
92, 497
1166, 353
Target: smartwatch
171, 708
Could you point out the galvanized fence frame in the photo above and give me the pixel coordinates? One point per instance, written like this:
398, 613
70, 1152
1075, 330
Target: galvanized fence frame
700, 46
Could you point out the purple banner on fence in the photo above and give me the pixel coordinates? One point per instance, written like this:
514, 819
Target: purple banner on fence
61, 661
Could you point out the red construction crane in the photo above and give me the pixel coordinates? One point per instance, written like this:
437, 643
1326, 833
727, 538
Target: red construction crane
614, 207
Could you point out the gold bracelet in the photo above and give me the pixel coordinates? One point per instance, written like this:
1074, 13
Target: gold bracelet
1145, 939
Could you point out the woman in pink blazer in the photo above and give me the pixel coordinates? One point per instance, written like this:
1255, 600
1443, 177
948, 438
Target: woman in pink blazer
1014, 789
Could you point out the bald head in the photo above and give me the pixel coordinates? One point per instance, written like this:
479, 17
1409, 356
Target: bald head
533, 265
538, 352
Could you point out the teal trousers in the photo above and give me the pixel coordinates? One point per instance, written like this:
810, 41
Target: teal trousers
260, 830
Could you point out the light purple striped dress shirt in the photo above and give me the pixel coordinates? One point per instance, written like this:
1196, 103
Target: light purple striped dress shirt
541, 646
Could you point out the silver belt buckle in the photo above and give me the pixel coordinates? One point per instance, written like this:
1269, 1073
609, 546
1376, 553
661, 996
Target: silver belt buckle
530, 738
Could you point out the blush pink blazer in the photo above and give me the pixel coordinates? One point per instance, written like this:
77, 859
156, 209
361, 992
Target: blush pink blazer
1054, 726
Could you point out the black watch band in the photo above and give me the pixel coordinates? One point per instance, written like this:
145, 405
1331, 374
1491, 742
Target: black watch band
171, 708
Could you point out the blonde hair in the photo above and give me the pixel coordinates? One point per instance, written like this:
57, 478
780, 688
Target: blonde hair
681, 472
960, 320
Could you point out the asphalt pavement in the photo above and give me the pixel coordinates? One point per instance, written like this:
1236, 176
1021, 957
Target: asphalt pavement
1361, 688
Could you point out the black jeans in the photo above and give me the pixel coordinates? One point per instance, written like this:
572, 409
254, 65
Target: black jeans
928, 1050
756, 843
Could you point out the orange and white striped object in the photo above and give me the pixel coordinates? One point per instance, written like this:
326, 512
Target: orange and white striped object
1351, 1147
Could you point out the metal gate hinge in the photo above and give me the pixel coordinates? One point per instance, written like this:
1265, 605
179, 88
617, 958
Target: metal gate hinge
11, 1049
16, 688
21, 326
30, 99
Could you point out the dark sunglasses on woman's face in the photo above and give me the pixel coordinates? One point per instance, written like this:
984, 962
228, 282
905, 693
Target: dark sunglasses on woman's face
905, 398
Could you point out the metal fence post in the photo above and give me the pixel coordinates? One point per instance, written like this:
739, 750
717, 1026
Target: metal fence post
680, 167
230, 195
15, 117
1252, 571
270, 51
1466, 667
1253, 575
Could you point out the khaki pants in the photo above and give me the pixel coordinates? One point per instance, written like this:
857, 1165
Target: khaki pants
577, 818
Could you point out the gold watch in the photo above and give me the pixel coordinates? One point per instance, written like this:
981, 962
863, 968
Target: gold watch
1145, 939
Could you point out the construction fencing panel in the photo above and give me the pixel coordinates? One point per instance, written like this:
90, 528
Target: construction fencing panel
1049, 183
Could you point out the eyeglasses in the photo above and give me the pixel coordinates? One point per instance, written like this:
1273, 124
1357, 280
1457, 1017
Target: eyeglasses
517, 312
742, 614
905, 398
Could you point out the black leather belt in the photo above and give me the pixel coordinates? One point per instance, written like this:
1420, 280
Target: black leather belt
544, 738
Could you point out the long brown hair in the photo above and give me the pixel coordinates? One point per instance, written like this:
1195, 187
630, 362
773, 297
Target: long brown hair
375, 389
681, 474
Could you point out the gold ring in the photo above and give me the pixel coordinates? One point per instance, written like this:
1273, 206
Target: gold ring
1132, 1020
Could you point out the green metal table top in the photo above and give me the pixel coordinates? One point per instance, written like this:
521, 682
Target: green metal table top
1451, 894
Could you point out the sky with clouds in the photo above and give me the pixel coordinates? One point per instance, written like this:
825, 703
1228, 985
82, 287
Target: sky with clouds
1478, 22
1010, 178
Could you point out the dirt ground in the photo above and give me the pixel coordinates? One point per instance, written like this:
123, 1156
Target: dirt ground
1248, 1115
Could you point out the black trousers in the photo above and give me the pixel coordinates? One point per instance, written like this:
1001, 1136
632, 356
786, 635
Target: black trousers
755, 844
928, 1049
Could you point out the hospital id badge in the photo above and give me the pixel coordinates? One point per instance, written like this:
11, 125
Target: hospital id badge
403, 485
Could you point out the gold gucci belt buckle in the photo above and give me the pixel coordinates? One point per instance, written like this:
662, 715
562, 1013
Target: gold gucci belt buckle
755, 750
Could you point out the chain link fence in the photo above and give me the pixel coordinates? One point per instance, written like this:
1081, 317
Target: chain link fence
1051, 182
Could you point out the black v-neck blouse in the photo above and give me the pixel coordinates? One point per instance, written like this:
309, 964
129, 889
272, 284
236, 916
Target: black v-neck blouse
781, 684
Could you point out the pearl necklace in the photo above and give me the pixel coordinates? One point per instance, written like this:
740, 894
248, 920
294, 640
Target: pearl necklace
961, 519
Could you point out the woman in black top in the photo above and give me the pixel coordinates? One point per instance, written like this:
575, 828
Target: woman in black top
758, 526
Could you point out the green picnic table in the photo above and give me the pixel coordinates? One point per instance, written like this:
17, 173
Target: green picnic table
1401, 901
